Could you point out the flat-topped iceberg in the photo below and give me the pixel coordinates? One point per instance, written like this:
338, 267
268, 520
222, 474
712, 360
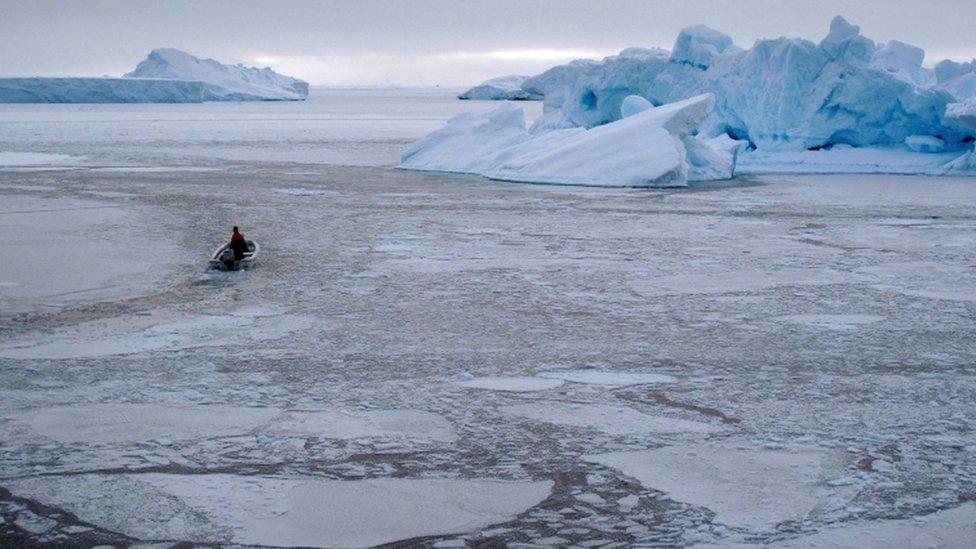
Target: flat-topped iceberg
651, 148
502, 88
221, 82
100, 90
165, 76
781, 94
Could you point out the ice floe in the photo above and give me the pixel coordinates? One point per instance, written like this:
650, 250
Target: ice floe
608, 418
523, 384
278, 511
603, 377
749, 488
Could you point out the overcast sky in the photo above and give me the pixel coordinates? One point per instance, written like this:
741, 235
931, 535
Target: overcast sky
420, 42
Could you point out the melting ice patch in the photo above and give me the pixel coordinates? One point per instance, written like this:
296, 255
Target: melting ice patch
610, 419
295, 511
749, 488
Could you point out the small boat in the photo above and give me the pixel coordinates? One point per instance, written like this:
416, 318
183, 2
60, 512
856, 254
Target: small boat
223, 258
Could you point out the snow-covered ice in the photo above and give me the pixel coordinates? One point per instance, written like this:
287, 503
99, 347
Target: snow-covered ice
284, 511
502, 88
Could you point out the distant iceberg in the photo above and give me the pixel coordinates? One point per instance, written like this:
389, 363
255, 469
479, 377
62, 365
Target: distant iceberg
502, 88
165, 76
221, 82
651, 148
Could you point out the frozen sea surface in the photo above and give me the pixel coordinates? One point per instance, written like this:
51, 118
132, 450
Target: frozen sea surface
782, 359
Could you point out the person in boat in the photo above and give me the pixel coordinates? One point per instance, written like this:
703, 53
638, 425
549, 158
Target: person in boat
238, 245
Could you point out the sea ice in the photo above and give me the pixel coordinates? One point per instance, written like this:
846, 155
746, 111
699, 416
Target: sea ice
276, 511
610, 419
512, 384
347, 424
501, 88
100, 90
753, 489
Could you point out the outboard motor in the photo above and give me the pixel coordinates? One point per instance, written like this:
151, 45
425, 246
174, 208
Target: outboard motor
227, 258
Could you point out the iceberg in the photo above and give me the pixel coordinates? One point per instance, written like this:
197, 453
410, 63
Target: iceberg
780, 94
652, 148
965, 115
502, 88
99, 90
165, 76
221, 82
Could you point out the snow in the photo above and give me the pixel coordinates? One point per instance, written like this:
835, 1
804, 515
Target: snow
501, 88
745, 488
220, 82
610, 419
512, 384
616, 379
949, 528
100, 90
283, 511
781, 94
643, 150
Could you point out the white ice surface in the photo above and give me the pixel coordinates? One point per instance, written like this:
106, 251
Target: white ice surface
950, 529
347, 425
19, 159
749, 488
608, 418
833, 322
617, 379
278, 511
516, 384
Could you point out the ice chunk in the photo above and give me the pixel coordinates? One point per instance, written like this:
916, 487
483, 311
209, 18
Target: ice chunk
841, 31
644, 150
100, 90
276, 511
501, 88
221, 82
963, 114
904, 61
924, 143
698, 45
633, 104
711, 159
